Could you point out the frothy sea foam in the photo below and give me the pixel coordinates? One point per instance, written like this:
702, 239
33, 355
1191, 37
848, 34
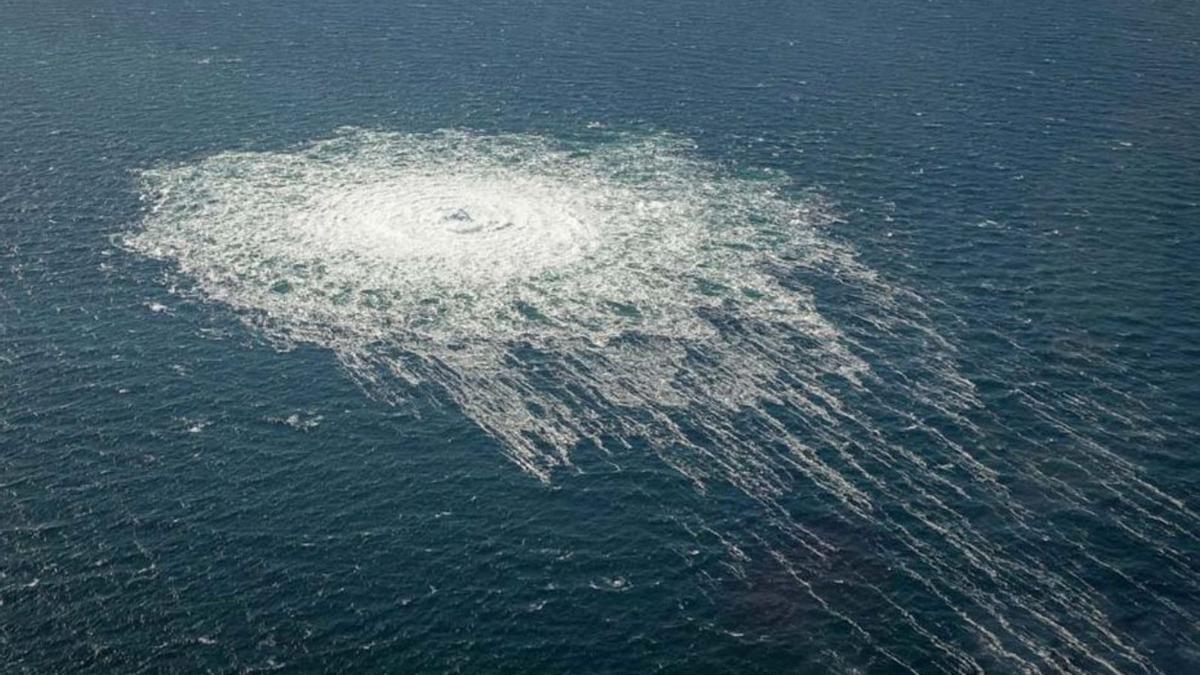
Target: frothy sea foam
627, 294
623, 259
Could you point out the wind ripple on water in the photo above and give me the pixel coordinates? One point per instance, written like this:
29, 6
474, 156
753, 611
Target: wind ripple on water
626, 294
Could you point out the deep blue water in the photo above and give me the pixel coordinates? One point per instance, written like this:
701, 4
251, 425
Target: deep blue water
179, 494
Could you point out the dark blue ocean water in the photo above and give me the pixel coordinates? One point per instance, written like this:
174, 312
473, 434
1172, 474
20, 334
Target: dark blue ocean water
177, 493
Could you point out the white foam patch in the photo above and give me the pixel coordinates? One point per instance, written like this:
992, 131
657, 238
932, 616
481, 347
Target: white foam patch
627, 293
456, 248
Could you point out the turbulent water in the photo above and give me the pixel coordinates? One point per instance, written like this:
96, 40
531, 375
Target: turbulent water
491, 337
595, 296
638, 280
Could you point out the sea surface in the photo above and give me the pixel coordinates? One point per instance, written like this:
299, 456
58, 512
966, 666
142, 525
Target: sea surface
599, 337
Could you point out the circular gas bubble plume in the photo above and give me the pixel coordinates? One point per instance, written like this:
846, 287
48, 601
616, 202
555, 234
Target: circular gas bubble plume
456, 249
627, 294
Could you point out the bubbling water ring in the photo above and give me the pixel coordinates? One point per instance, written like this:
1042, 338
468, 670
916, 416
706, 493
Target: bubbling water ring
665, 300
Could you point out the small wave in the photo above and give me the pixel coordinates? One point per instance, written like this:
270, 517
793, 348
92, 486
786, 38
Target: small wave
628, 293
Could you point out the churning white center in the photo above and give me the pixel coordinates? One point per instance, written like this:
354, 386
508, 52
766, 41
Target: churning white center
627, 295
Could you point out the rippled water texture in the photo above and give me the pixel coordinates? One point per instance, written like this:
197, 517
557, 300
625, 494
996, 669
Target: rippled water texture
629, 293
599, 339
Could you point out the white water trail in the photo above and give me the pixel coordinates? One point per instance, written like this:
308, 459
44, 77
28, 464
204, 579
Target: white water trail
627, 292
